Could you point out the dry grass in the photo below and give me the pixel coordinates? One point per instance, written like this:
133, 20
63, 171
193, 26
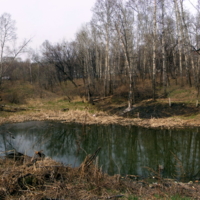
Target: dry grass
48, 179
85, 116
74, 108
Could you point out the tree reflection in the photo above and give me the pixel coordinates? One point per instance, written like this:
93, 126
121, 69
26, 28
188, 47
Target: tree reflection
125, 149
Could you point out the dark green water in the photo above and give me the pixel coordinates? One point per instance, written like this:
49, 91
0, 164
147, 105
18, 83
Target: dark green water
125, 149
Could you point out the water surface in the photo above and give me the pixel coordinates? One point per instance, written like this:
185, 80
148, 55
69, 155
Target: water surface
125, 149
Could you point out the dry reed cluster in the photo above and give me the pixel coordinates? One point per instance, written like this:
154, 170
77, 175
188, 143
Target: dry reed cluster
47, 179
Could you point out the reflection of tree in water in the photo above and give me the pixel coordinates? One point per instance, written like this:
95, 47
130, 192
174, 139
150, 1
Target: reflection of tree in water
6, 139
125, 149
177, 150
63, 139
130, 149
117, 145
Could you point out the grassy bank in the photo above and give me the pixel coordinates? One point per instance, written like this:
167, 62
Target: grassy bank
22, 102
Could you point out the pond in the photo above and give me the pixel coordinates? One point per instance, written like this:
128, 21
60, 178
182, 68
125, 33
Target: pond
124, 149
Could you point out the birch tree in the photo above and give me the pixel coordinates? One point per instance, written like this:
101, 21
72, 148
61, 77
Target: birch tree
8, 42
102, 21
163, 50
124, 27
7, 35
154, 50
179, 28
187, 44
85, 59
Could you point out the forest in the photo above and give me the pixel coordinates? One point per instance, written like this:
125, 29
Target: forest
154, 43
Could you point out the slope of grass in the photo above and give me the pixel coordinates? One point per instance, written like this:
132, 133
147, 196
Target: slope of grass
22, 98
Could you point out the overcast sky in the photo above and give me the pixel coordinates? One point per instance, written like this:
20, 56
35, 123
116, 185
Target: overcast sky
52, 20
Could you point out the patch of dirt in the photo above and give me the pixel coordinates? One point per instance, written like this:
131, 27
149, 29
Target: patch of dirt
148, 109
162, 110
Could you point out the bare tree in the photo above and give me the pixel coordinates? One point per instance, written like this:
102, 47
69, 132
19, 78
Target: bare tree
62, 57
179, 28
163, 50
154, 49
124, 27
7, 34
8, 39
102, 21
85, 59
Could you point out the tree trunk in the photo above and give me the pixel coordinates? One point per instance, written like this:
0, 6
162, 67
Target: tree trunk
163, 51
154, 51
180, 37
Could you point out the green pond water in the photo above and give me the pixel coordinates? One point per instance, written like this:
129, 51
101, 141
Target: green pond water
124, 149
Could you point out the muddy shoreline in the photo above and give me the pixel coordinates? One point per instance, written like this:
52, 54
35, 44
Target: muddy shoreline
84, 117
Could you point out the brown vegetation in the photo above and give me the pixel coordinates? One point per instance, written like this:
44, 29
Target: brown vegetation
31, 105
48, 179
99, 118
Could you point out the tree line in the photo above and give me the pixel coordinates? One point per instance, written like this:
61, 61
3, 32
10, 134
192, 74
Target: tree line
124, 43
